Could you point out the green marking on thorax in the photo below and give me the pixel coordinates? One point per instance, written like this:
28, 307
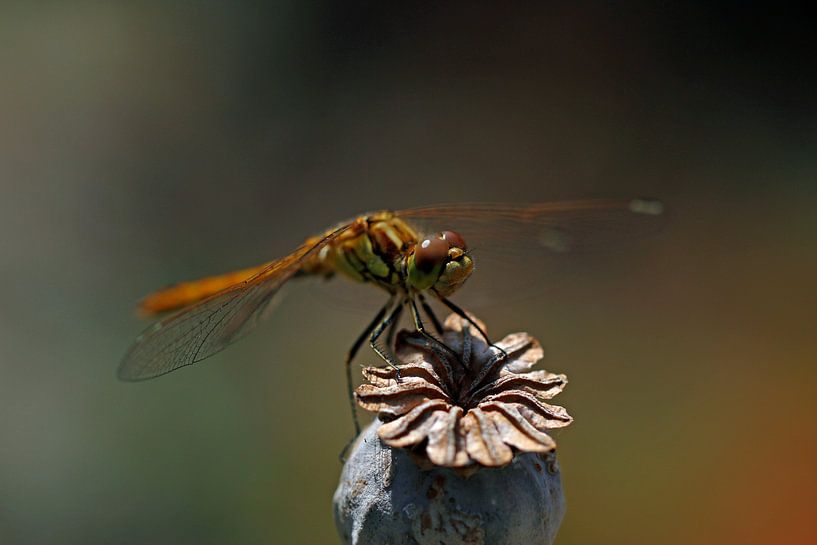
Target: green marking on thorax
373, 263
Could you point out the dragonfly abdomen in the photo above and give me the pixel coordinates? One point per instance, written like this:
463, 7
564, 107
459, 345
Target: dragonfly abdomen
186, 293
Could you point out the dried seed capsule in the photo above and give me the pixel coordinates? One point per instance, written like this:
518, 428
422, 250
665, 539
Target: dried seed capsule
461, 452
385, 496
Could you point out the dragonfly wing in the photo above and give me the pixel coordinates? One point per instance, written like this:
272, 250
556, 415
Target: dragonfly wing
531, 244
554, 227
205, 328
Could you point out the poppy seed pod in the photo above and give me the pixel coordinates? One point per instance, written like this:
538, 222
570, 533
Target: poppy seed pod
385, 496
459, 454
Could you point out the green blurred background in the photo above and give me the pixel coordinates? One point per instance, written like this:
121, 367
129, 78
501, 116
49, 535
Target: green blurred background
144, 143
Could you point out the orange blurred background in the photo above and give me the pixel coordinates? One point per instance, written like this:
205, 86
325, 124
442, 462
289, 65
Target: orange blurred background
144, 143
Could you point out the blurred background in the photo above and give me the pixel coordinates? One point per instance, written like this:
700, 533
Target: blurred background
144, 143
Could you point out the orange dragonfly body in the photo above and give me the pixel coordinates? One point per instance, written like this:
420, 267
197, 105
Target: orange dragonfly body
371, 249
407, 253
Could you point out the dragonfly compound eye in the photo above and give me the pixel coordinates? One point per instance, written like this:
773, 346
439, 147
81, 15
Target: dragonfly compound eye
430, 253
454, 240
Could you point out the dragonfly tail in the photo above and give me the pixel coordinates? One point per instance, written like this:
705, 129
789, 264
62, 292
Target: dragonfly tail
186, 293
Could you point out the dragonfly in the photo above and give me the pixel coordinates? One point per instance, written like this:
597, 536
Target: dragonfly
412, 255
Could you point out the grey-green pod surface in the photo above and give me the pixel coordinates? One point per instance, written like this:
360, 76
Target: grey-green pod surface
386, 498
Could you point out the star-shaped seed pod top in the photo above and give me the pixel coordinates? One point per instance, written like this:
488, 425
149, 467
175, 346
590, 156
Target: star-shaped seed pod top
472, 404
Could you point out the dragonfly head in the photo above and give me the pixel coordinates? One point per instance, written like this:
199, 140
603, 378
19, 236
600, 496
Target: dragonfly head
441, 263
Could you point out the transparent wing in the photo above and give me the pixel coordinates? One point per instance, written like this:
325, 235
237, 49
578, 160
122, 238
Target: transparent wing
530, 244
554, 227
205, 328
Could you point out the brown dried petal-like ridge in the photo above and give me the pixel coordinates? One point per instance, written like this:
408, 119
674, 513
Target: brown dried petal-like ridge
459, 417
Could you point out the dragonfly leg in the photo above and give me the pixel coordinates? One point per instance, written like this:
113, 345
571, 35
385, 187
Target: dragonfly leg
376, 328
462, 314
437, 343
438, 327
377, 332
350, 389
